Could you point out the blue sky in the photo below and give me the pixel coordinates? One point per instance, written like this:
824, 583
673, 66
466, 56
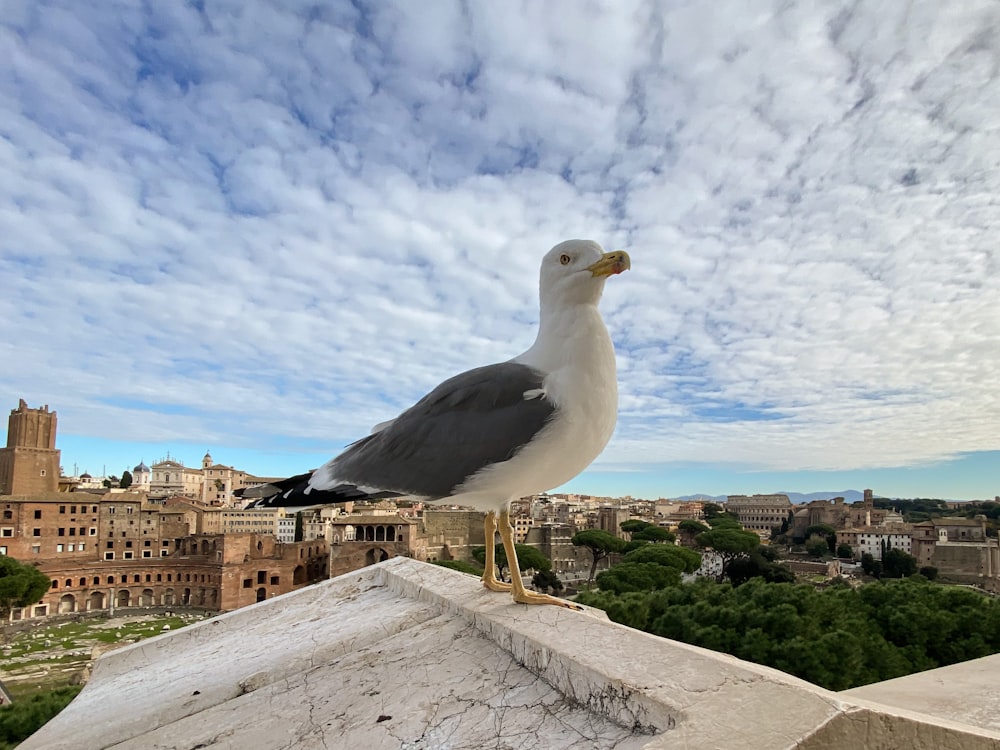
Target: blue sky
261, 228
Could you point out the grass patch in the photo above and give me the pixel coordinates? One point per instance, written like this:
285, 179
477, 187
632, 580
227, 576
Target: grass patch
32, 651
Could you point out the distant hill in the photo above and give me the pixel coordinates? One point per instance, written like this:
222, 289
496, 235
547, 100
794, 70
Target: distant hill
797, 498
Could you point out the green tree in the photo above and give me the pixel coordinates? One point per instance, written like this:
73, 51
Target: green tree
816, 546
725, 521
759, 564
729, 544
870, 565
528, 558
681, 558
126, 480
691, 526
898, 564
637, 576
779, 534
20, 720
299, 527
711, 510
633, 525
630, 609
654, 534
639, 530
929, 572
547, 580
845, 550
838, 637
689, 529
599, 543
461, 566
20, 585
826, 531
649, 567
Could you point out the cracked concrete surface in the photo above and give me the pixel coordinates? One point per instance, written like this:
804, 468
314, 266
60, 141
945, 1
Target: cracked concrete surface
409, 655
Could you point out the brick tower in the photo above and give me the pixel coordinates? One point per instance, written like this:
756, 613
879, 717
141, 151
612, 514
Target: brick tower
29, 464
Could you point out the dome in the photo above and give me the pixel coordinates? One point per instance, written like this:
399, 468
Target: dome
85, 475
141, 467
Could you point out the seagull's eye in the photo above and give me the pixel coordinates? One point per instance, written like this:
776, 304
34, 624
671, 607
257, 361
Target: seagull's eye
564, 259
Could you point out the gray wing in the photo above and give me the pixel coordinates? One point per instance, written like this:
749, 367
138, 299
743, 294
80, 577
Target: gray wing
470, 421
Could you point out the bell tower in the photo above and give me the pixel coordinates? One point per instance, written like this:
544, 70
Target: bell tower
29, 464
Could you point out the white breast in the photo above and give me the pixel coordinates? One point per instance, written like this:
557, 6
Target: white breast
577, 354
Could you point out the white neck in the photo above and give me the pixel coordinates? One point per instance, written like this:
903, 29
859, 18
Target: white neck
574, 337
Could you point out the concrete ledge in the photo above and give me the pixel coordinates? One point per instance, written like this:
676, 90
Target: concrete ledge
965, 692
406, 654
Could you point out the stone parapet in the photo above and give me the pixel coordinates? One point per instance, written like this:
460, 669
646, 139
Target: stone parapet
407, 654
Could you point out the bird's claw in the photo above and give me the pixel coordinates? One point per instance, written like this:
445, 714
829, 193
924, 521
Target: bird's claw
494, 585
526, 597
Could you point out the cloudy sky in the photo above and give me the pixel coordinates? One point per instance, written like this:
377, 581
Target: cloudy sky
262, 227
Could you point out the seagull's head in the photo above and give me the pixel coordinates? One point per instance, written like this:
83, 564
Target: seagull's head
574, 272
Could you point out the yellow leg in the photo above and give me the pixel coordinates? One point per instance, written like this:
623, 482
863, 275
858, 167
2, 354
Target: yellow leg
520, 594
490, 579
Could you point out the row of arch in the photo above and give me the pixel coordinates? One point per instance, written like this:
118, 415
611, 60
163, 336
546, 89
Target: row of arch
123, 579
373, 533
98, 600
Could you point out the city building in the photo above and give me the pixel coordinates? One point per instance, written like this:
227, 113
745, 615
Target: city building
47, 525
675, 511
876, 540
171, 478
610, 519
30, 462
958, 547
142, 475
115, 551
216, 572
759, 513
833, 513
213, 484
569, 562
521, 524
358, 540
220, 482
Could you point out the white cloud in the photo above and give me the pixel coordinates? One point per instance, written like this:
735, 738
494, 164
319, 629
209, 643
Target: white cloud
289, 221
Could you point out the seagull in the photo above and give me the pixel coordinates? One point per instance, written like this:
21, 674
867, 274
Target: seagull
496, 433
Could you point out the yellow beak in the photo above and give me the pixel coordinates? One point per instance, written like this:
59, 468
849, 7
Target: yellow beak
611, 263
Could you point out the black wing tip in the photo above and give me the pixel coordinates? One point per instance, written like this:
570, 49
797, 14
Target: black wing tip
295, 492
